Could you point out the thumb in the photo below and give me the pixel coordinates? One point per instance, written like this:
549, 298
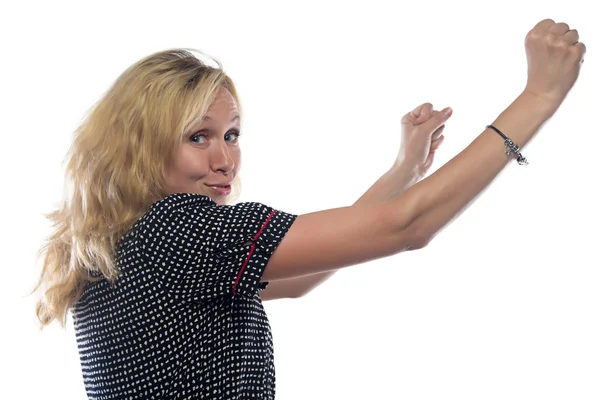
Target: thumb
420, 114
438, 119
424, 113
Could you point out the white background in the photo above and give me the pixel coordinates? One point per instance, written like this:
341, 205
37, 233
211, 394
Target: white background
503, 304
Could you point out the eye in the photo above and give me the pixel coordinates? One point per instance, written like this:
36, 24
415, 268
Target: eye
198, 138
235, 134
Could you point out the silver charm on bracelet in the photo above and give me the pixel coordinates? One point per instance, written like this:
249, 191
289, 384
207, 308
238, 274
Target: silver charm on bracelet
511, 147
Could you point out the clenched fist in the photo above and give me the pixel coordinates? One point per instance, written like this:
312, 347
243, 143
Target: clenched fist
554, 58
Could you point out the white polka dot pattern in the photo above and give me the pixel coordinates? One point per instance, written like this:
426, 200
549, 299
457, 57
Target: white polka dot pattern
184, 320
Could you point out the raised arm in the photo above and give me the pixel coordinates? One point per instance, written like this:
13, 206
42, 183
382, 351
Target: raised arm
333, 239
421, 137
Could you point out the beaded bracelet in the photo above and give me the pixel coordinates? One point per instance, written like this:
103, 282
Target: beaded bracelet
511, 147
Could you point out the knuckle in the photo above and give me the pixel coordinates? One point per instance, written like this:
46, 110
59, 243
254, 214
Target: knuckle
529, 38
548, 37
562, 45
576, 52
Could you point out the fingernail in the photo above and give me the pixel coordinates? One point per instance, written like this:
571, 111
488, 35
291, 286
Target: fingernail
447, 111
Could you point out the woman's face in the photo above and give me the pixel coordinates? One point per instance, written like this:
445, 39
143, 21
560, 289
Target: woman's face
209, 155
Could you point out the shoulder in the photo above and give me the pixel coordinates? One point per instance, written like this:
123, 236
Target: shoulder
188, 211
194, 214
178, 202
197, 206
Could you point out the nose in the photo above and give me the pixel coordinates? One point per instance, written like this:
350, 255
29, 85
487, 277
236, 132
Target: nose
221, 160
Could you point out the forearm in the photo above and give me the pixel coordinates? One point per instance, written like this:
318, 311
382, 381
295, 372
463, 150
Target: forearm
388, 187
437, 200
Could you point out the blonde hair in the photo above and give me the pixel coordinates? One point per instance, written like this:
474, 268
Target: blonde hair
116, 169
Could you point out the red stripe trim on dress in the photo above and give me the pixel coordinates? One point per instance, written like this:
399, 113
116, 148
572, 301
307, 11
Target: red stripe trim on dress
254, 239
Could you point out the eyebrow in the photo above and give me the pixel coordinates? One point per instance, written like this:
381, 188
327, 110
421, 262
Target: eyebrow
207, 118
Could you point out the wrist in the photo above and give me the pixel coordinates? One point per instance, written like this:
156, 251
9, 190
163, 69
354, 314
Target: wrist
540, 106
404, 173
524, 117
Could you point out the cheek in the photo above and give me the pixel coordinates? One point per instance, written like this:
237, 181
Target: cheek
237, 159
191, 165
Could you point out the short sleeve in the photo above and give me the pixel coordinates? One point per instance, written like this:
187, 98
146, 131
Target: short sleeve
202, 250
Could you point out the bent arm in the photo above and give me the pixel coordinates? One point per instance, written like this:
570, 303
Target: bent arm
328, 240
389, 186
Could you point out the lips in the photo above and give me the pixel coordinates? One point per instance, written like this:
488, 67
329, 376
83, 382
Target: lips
228, 184
222, 190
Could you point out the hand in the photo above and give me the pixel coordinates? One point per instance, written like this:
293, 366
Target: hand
421, 136
554, 57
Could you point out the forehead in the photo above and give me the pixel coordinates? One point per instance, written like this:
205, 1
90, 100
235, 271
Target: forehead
223, 105
223, 109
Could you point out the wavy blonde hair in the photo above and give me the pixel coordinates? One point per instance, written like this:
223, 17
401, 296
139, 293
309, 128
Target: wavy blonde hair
116, 169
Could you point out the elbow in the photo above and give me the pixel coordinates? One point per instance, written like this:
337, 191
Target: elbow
297, 295
419, 242
416, 232
422, 242
417, 236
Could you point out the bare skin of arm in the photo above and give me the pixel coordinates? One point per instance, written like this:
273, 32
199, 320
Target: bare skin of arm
419, 144
398, 177
328, 240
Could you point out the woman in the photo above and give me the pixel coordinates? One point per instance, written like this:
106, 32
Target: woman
165, 278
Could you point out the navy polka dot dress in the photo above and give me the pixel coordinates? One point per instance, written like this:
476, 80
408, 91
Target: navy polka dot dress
184, 320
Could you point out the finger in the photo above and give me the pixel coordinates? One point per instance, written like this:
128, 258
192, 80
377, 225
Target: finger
438, 132
571, 36
438, 119
543, 25
582, 49
425, 113
559, 29
437, 143
413, 115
